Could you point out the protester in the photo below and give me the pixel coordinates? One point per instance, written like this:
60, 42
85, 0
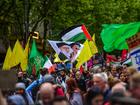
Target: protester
94, 97
16, 100
114, 71
87, 87
59, 90
20, 90
113, 81
123, 77
135, 85
46, 94
80, 81
98, 85
119, 87
22, 77
130, 71
100, 80
73, 92
62, 78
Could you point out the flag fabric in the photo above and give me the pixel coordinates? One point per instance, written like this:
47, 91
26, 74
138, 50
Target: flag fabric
57, 59
75, 33
135, 55
124, 55
66, 50
90, 63
17, 55
87, 52
48, 64
114, 35
36, 60
33, 71
93, 46
6, 64
81, 69
127, 62
24, 62
110, 58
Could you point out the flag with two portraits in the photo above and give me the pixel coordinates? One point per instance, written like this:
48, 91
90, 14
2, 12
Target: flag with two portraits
66, 50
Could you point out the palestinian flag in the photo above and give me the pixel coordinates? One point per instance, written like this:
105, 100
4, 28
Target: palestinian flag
75, 33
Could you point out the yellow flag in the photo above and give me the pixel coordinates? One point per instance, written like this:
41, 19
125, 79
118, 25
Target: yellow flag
24, 62
6, 65
84, 55
18, 54
87, 52
57, 59
92, 45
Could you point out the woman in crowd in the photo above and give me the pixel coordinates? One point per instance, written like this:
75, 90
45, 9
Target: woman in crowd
73, 92
94, 97
123, 77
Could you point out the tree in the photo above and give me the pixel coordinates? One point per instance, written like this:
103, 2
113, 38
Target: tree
56, 15
11, 20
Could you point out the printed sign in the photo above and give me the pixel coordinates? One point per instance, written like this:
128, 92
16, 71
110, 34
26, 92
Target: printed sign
135, 57
134, 50
8, 79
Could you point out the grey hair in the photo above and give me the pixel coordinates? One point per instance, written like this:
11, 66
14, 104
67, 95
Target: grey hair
102, 75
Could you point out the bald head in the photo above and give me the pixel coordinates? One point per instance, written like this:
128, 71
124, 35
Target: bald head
46, 93
46, 87
119, 87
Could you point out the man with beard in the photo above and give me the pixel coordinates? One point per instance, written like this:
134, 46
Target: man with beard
62, 78
65, 51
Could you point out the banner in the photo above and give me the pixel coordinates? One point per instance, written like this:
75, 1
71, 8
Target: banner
134, 50
66, 50
135, 57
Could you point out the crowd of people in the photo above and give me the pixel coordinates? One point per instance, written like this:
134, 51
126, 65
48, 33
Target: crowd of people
110, 85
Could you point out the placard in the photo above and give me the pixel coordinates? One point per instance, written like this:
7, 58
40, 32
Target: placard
8, 79
134, 50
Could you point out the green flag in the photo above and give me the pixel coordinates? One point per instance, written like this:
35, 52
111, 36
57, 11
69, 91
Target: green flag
114, 35
35, 60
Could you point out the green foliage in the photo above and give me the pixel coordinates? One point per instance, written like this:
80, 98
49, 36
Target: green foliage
57, 15
72, 12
